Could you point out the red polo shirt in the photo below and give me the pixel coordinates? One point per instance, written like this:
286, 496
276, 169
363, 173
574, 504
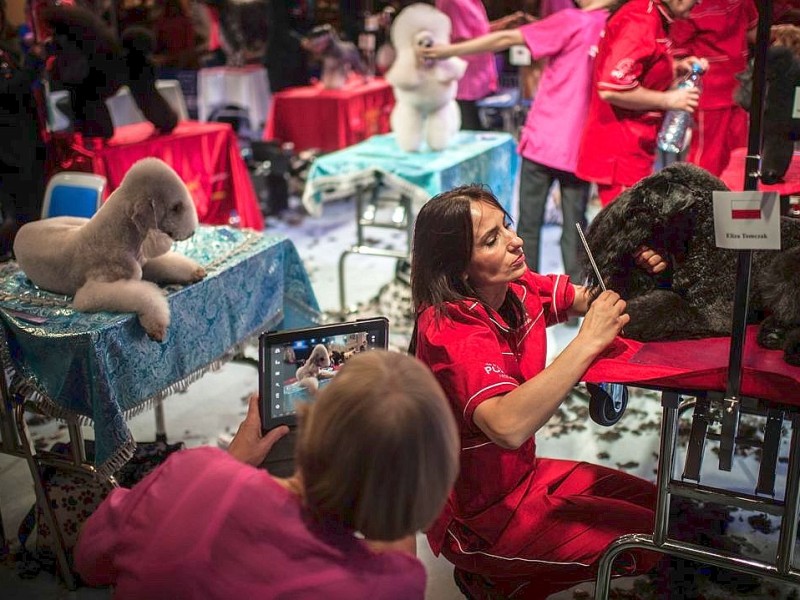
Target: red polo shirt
717, 31
618, 145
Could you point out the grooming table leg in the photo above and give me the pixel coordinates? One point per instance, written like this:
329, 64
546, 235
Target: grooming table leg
161, 427
788, 532
697, 440
730, 429
769, 452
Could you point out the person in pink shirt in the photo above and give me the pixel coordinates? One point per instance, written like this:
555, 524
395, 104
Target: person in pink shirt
718, 30
469, 20
209, 524
567, 42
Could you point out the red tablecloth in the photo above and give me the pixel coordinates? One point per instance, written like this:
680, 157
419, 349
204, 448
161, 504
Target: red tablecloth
698, 365
205, 155
313, 117
733, 176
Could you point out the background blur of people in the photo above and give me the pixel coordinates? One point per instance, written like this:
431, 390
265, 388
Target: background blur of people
176, 37
719, 31
22, 151
633, 79
285, 59
469, 20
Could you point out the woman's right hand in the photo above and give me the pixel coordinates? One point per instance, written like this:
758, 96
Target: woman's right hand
604, 320
682, 99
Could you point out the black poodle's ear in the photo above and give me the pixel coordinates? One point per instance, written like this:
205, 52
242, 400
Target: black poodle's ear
682, 185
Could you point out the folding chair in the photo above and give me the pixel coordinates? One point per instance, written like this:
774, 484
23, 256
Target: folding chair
73, 194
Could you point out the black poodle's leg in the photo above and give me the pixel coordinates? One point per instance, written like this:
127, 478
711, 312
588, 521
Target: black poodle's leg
93, 119
791, 347
153, 105
771, 334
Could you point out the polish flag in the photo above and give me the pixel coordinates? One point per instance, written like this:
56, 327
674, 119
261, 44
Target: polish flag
746, 208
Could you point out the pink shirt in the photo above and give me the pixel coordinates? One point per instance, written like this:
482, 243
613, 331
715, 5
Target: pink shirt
469, 21
204, 525
568, 39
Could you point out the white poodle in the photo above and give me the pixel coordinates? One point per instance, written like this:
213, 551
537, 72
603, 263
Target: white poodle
102, 261
425, 107
311, 372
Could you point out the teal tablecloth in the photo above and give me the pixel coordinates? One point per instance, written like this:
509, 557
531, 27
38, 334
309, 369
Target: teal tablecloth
472, 157
99, 368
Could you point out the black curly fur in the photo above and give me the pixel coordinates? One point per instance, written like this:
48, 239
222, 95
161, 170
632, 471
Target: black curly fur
92, 64
672, 212
780, 130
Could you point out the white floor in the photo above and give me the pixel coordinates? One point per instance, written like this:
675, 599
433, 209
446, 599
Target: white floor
216, 404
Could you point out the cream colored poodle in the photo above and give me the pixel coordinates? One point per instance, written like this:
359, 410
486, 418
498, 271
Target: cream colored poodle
311, 372
103, 261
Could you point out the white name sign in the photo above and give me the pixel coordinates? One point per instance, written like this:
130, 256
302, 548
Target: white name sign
747, 220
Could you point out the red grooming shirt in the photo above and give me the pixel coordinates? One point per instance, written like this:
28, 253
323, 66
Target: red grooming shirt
618, 145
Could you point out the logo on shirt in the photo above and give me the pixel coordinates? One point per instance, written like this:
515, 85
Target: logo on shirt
623, 71
492, 368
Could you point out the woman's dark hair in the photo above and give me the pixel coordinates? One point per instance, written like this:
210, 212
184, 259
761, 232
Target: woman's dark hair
442, 250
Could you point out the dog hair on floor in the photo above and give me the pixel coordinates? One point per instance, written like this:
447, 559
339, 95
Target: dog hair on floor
104, 261
672, 212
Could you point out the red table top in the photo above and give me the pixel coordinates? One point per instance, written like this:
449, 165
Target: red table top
314, 117
733, 176
205, 155
698, 365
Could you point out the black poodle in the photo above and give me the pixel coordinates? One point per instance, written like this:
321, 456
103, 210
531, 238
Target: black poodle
672, 212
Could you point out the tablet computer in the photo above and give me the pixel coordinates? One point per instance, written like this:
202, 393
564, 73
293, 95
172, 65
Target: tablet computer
294, 364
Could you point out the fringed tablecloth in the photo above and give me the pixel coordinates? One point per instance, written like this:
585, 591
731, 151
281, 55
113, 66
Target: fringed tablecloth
101, 368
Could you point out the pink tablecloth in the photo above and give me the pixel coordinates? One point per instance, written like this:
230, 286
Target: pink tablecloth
313, 117
205, 155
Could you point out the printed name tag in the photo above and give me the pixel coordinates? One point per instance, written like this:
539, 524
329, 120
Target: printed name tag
747, 220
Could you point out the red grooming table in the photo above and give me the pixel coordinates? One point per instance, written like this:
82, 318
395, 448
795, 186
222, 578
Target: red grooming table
733, 176
205, 155
313, 117
770, 389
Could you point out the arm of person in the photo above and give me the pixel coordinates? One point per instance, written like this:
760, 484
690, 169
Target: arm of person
491, 42
509, 420
249, 445
515, 19
407, 544
641, 98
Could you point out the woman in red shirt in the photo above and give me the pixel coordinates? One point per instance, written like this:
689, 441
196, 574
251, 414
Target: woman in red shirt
521, 525
633, 74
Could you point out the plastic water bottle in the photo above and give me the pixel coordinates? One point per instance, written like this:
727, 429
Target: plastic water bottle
672, 137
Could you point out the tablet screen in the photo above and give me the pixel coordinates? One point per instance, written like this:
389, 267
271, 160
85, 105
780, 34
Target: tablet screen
295, 364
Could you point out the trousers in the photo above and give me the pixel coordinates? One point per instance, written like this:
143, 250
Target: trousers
534, 186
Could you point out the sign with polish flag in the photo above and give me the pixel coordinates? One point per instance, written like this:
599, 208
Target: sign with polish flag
747, 220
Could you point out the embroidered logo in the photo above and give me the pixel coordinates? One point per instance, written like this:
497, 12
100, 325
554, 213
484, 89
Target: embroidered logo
492, 368
623, 71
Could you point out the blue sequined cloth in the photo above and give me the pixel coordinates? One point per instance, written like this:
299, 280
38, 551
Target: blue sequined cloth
488, 157
100, 368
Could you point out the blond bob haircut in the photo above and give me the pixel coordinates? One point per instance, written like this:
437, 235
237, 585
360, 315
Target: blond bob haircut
377, 451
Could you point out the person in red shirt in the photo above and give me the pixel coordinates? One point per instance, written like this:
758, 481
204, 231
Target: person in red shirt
209, 524
520, 525
633, 78
719, 31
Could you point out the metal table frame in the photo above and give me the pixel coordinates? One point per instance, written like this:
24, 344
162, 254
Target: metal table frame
763, 499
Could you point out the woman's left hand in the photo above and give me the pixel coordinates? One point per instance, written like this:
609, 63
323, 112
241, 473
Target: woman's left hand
248, 445
650, 260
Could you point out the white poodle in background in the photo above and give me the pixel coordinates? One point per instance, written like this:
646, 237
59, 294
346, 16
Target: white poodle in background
425, 93
102, 261
311, 372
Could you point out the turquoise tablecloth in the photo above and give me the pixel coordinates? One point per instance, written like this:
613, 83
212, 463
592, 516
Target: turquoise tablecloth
99, 368
472, 157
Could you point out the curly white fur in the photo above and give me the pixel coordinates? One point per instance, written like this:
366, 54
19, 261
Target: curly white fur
102, 261
425, 95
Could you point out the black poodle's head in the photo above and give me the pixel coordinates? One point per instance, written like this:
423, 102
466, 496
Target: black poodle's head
662, 211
